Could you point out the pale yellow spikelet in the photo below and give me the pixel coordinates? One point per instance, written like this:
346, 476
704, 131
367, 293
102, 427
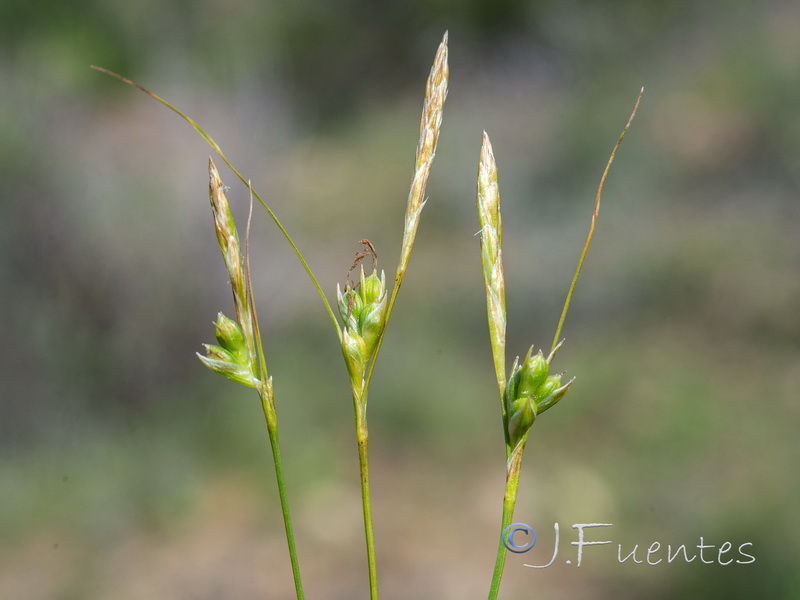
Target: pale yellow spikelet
430, 124
488, 200
435, 95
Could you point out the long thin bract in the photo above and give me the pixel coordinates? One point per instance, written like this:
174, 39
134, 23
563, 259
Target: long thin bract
214, 146
594, 222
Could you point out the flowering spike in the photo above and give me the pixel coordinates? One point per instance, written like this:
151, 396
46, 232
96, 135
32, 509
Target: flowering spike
488, 200
533, 373
228, 239
521, 415
363, 311
553, 397
230, 336
529, 392
230, 369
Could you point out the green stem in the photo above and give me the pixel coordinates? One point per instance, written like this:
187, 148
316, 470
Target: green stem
272, 426
362, 436
509, 502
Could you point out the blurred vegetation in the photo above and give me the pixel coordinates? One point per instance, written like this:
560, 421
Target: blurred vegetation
128, 470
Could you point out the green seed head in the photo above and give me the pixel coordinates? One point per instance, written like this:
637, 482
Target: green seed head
543, 402
355, 356
231, 358
217, 353
349, 302
532, 374
550, 385
223, 362
372, 288
529, 392
230, 336
521, 415
363, 311
372, 324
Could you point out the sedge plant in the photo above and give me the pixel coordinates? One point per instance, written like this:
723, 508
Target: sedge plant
240, 354
530, 389
364, 307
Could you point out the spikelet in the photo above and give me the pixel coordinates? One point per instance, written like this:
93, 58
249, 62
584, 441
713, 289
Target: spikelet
237, 358
432, 109
488, 198
228, 239
363, 312
531, 390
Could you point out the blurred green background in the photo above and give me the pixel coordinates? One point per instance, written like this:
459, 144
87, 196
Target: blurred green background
127, 470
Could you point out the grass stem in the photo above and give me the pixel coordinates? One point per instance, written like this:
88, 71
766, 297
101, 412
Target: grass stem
272, 427
363, 466
509, 502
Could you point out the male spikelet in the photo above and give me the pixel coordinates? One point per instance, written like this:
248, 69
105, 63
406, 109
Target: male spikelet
432, 109
491, 223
